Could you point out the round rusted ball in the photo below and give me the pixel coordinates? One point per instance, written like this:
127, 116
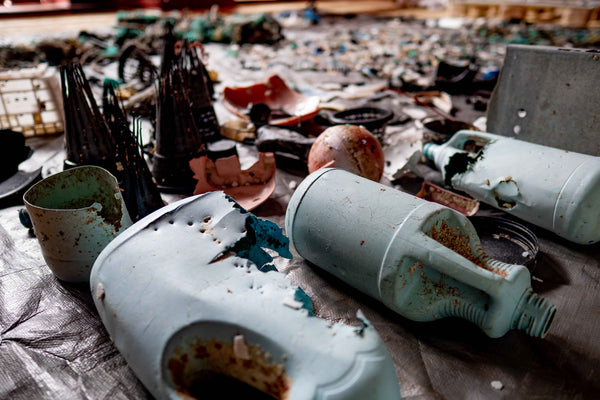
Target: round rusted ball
349, 147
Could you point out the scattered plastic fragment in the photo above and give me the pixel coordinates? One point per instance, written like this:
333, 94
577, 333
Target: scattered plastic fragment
286, 106
30, 101
250, 187
464, 205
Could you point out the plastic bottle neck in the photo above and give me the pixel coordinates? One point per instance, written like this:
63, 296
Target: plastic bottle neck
533, 314
429, 150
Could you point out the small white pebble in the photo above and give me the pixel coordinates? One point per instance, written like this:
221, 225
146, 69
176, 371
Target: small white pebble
497, 385
293, 185
240, 350
525, 254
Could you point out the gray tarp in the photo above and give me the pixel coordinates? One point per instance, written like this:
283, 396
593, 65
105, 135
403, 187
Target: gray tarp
53, 344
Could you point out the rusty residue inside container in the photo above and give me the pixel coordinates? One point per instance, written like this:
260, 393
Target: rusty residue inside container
460, 243
254, 377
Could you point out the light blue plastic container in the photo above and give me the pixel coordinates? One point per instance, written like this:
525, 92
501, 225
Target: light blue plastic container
420, 259
556, 189
187, 295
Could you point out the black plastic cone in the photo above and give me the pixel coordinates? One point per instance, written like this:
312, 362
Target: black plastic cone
140, 192
87, 136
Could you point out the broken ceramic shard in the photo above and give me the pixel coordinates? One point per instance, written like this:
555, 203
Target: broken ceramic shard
285, 106
552, 188
75, 214
420, 259
250, 187
183, 284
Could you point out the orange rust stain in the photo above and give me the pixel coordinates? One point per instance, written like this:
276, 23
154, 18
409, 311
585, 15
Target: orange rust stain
460, 243
257, 371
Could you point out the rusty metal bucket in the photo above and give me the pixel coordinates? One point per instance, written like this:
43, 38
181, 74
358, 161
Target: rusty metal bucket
75, 214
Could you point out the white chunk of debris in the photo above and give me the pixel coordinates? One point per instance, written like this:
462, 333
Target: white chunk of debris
497, 385
293, 185
291, 303
100, 294
240, 350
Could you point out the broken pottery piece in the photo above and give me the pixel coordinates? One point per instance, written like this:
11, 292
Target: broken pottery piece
75, 214
421, 259
286, 106
462, 204
189, 297
556, 189
250, 187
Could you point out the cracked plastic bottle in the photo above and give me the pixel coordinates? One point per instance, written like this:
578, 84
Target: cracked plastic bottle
555, 189
420, 259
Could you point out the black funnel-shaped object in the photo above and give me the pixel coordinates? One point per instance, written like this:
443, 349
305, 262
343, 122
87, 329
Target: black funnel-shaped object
196, 78
87, 137
178, 139
167, 56
140, 193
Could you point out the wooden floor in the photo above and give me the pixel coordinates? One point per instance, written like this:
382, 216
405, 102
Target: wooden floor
14, 26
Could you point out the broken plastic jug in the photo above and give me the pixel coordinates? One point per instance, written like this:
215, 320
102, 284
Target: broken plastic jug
419, 258
191, 301
556, 189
